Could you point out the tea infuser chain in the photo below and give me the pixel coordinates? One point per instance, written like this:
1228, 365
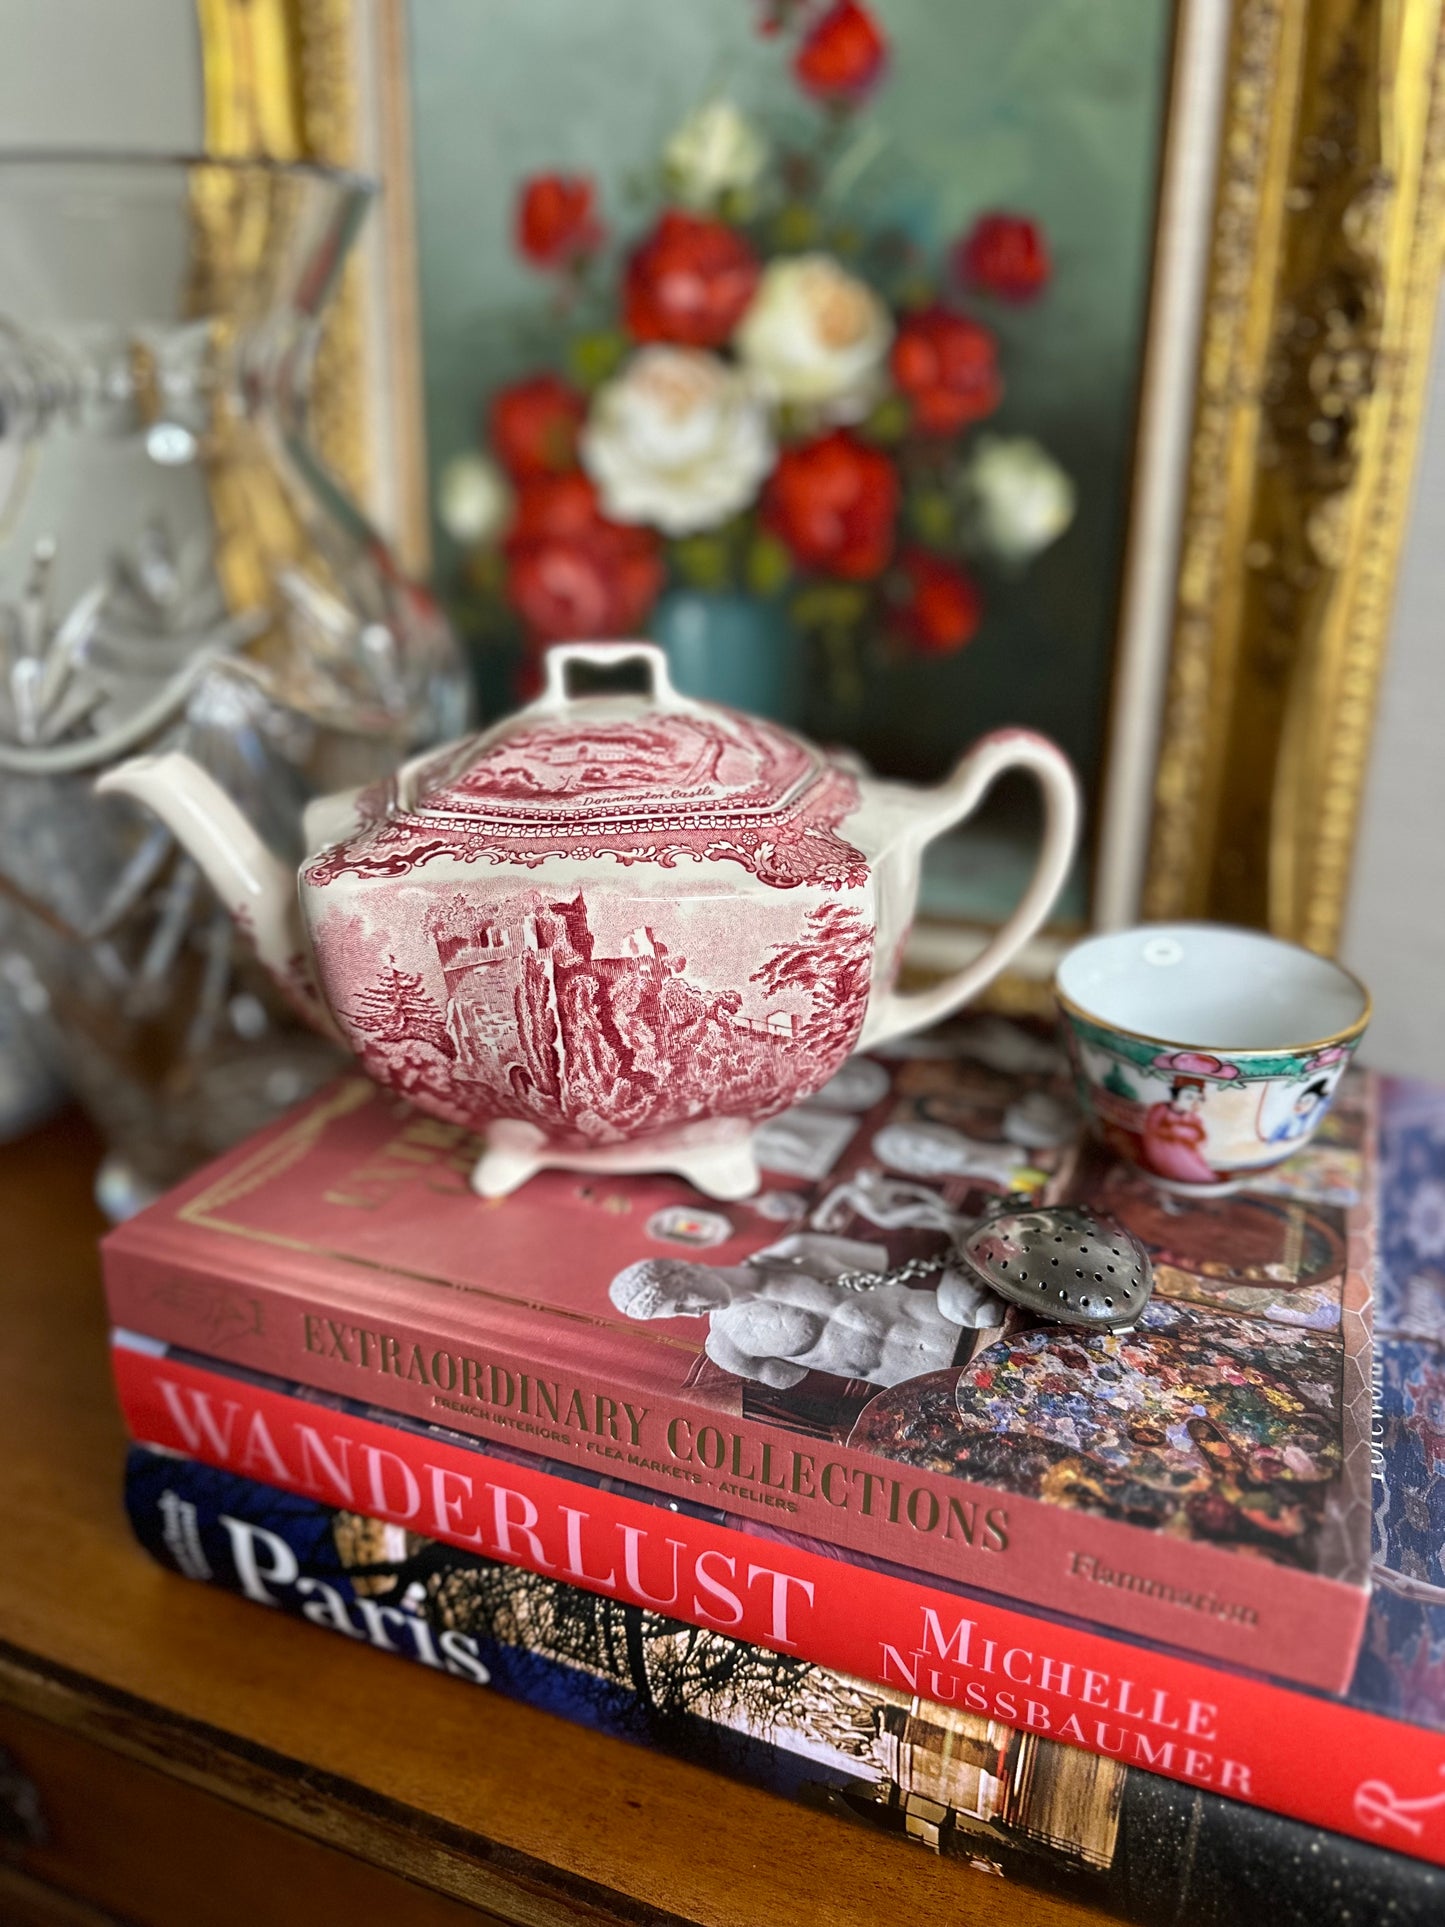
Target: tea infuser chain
1062, 1262
912, 1268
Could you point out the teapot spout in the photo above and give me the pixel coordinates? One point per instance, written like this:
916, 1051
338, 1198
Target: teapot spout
252, 882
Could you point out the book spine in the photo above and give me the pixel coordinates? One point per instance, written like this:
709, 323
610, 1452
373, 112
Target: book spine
453, 1371
1145, 1848
1253, 1739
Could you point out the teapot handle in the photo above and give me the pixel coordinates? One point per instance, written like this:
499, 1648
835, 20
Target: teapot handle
606, 655
899, 1012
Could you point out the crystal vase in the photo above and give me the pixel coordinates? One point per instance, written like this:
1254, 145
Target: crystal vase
178, 569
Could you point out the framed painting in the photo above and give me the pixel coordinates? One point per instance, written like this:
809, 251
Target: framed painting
1217, 377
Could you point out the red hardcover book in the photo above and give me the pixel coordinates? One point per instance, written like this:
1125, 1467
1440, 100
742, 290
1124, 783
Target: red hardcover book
1201, 1480
1227, 1731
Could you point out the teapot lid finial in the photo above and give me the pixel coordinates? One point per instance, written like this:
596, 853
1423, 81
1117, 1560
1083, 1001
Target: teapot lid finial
563, 657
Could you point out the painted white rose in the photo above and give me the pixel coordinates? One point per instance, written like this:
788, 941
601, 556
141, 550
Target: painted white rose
474, 499
677, 440
815, 336
1022, 499
716, 151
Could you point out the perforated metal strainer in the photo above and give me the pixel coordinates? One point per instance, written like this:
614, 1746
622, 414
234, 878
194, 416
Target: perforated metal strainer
1063, 1262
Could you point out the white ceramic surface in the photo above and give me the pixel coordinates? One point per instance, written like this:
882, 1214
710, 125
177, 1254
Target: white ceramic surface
1210, 985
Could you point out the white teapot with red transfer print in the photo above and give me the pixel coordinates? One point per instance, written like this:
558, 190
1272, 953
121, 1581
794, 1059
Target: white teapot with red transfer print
615, 931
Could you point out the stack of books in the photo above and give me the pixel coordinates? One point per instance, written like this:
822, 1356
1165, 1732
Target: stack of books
1092, 1610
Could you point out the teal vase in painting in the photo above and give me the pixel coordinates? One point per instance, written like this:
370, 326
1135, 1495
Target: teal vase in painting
726, 646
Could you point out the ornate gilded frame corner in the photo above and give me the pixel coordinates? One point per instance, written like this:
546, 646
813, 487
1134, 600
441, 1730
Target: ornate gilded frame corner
1325, 264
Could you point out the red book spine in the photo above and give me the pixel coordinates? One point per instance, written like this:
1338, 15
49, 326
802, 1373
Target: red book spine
1270, 1745
432, 1364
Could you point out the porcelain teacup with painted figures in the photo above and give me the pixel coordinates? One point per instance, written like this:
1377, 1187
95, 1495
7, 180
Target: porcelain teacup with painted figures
1206, 1055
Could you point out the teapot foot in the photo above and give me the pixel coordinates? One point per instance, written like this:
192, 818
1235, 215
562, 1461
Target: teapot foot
715, 1157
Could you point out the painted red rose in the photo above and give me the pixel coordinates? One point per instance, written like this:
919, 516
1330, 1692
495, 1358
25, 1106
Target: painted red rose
833, 502
534, 425
1006, 255
557, 219
550, 506
947, 366
942, 608
842, 55
571, 573
688, 282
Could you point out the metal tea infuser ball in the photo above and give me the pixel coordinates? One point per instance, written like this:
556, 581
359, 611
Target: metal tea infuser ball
1063, 1262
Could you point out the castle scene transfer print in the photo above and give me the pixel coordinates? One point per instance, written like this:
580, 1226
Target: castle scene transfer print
554, 930
595, 1016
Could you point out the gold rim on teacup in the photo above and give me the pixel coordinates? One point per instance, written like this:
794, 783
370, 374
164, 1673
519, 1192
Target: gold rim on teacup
1348, 1034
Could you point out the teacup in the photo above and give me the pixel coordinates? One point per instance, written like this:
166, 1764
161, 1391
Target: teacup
1184, 1043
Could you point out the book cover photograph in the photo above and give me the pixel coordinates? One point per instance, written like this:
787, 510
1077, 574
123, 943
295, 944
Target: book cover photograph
1401, 1667
1201, 1478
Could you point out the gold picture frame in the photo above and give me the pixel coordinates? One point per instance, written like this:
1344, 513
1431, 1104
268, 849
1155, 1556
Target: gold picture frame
1316, 298
1325, 268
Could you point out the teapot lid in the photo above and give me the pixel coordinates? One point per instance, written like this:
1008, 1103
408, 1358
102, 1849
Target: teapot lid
638, 778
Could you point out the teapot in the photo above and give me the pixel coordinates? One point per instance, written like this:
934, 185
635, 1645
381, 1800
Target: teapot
614, 931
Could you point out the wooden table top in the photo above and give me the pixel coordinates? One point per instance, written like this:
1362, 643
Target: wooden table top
513, 1811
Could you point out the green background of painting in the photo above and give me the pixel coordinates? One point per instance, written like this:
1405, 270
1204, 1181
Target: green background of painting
1053, 107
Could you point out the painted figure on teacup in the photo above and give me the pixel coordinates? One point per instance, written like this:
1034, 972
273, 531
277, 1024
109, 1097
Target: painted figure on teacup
1195, 1120
1171, 1142
1304, 1107
1173, 1132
